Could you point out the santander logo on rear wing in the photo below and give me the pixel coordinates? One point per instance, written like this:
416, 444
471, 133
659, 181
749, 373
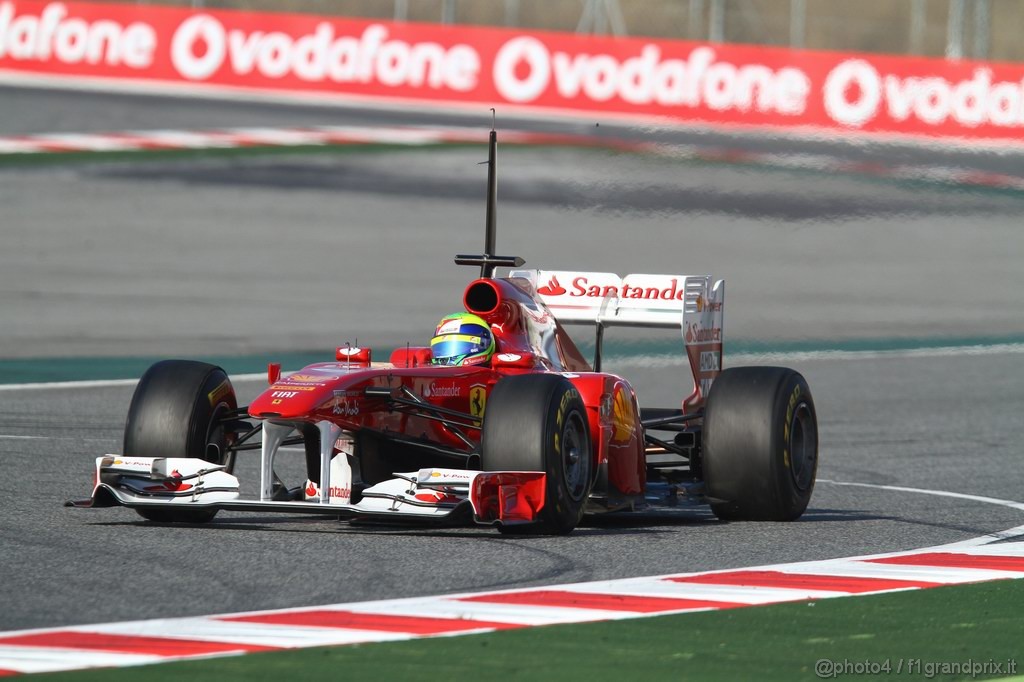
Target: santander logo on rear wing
693, 304
634, 300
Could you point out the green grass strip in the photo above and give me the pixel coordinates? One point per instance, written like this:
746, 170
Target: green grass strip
29, 370
922, 634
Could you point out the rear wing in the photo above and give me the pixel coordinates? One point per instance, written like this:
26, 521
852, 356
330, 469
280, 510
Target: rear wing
693, 304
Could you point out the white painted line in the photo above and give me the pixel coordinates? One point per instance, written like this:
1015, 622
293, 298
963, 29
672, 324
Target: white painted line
668, 359
995, 549
85, 142
926, 491
736, 594
185, 139
103, 383
930, 574
15, 146
253, 634
416, 136
514, 614
31, 659
279, 136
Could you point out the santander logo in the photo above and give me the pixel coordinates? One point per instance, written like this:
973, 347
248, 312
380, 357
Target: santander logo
697, 334
552, 288
594, 286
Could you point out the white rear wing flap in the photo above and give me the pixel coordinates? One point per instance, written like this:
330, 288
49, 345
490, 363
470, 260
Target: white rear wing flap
693, 304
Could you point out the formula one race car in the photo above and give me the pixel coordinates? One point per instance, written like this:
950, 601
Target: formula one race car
529, 438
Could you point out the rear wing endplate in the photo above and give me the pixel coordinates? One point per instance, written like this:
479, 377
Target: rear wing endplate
693, 304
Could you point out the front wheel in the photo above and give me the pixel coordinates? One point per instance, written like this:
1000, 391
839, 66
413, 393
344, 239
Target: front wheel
760, 444
538, 422
178, 410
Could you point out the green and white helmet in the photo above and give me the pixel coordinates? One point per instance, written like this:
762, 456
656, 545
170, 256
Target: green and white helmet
461, 339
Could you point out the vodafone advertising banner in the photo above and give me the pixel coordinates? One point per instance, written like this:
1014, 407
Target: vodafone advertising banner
722, 85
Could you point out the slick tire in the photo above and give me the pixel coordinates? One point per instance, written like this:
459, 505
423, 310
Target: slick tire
538, 422
760, 444
176, 412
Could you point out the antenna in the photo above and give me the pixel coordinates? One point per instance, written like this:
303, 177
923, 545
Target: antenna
487, 269
489, 261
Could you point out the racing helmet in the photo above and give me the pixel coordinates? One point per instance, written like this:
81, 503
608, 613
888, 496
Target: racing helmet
461, 339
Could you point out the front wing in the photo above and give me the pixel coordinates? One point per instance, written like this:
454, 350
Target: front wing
431, 494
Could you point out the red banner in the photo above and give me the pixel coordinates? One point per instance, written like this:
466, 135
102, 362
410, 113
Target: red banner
541, 71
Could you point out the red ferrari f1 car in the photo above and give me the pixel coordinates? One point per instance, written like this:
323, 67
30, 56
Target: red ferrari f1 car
529, 436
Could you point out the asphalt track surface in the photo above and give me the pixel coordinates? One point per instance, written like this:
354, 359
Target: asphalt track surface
231, 254
241, 254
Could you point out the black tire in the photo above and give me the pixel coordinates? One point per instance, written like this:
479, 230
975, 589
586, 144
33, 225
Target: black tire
174, 413
538, 422
760, 444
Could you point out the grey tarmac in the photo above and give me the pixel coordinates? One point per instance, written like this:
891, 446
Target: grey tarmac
911, 422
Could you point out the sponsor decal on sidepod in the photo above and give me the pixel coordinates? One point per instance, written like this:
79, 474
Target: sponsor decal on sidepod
433, 390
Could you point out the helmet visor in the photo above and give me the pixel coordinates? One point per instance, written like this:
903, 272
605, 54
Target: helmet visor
454, 347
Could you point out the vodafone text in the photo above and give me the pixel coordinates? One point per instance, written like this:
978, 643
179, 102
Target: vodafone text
932, 100
202, 45
727, 84
52, 34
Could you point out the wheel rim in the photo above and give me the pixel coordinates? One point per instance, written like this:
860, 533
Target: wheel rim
803, 447
575, 457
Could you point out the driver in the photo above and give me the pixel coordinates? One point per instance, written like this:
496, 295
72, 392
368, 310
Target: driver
462, 339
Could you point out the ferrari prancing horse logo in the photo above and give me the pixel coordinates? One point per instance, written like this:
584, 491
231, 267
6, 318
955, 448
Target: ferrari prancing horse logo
477, 401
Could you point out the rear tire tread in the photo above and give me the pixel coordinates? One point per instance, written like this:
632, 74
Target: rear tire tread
760, 444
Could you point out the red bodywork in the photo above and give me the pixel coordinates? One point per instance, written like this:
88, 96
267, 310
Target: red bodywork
528, 338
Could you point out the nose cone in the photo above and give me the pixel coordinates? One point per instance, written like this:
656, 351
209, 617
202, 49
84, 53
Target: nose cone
299, 395
281, 400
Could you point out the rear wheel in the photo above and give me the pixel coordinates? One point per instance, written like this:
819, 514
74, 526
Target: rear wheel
177, 411
538, 422
760, 444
